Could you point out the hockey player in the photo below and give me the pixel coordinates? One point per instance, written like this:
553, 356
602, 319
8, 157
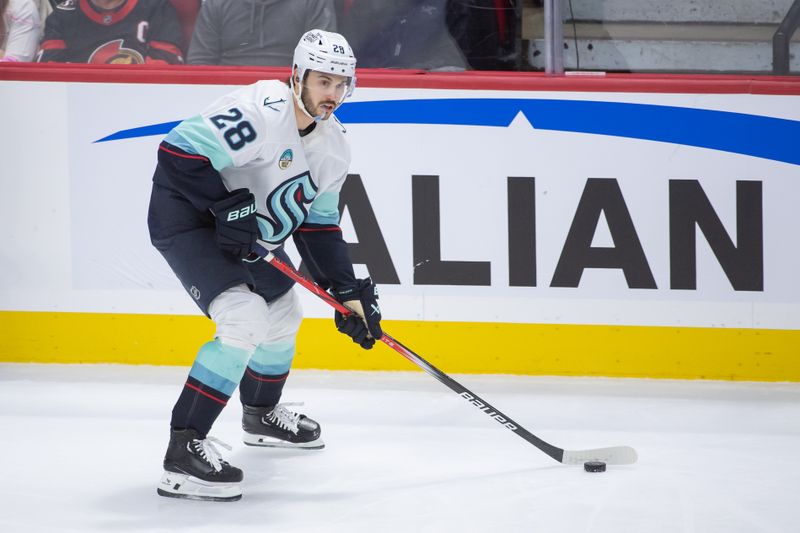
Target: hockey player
127, 32
265, 162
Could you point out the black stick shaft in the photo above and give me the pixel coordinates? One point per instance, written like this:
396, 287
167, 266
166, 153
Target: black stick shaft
506, 421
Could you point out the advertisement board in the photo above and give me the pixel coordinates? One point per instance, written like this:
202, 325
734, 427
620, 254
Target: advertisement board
475, 207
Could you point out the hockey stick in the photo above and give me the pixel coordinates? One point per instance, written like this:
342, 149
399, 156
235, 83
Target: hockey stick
617, 455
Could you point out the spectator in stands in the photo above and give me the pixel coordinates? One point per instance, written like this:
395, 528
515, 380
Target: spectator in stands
485, 30
187, 11
20, 30
400, 34
112, 31
255, 32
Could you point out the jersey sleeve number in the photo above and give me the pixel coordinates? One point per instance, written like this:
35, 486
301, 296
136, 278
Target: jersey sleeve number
238, 132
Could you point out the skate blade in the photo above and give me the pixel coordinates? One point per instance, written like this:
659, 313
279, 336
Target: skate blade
271, 442
174, 485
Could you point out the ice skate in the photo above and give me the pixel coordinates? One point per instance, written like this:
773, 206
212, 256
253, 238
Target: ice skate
278, 427
194, 469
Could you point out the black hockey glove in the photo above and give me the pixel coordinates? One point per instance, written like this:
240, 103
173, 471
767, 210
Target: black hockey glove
237, 228
362, 297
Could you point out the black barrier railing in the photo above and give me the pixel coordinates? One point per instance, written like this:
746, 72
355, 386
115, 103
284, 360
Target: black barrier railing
783, 38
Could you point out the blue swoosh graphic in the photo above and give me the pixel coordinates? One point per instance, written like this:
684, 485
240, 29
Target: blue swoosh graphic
144, 131
739, 133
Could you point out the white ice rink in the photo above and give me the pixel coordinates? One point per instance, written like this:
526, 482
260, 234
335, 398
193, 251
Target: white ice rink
82, 449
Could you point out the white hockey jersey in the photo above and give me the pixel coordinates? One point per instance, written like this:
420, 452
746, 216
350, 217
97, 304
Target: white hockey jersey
250, 136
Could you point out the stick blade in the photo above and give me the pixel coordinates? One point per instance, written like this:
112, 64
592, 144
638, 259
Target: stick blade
616, 455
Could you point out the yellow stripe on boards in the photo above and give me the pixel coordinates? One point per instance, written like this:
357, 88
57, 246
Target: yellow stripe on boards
102, 338
453, 347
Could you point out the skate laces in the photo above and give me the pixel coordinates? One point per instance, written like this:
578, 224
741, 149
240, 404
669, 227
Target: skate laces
284, 418
206, 449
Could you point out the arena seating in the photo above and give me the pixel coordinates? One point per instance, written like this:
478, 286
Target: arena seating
187, 14
658, 36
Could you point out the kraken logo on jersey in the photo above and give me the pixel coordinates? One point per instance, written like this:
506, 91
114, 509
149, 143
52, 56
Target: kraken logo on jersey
114, 52
286, 206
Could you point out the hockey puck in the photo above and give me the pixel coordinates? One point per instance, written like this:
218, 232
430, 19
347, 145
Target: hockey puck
594, 466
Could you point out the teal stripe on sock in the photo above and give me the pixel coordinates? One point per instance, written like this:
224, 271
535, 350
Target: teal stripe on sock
272, 359
220, 366
211, 379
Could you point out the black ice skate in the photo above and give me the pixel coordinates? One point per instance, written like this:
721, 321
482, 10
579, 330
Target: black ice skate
278, 427
194, 469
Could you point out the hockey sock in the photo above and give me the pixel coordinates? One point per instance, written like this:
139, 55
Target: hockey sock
265, 376
212, 379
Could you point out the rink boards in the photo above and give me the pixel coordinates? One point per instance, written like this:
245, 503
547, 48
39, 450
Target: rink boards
589, 227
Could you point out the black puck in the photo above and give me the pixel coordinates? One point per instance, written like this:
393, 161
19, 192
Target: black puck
594, 466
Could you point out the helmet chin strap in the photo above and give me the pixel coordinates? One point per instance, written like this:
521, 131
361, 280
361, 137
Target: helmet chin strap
298, 98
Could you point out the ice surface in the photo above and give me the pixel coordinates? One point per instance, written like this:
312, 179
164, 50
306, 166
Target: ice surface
82, 449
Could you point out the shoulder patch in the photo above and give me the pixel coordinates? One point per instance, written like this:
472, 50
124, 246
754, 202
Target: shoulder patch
67, 5
286, 159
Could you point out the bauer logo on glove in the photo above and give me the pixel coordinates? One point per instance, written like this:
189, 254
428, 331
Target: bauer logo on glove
244, 212
237, 227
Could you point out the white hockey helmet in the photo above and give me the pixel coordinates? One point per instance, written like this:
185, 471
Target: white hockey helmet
323, 51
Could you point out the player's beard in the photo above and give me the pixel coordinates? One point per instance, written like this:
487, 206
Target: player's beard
312, 109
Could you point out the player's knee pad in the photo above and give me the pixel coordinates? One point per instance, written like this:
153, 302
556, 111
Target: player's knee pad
286, 313
241, 316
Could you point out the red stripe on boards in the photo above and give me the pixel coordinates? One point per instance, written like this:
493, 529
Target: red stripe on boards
411, 79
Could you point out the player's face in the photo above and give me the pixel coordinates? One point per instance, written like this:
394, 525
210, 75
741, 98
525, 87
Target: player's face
322, 93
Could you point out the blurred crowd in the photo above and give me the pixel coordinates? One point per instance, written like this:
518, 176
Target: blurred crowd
437, 35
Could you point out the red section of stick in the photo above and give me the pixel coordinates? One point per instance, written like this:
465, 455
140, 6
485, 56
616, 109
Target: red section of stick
333, 302
307, 283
